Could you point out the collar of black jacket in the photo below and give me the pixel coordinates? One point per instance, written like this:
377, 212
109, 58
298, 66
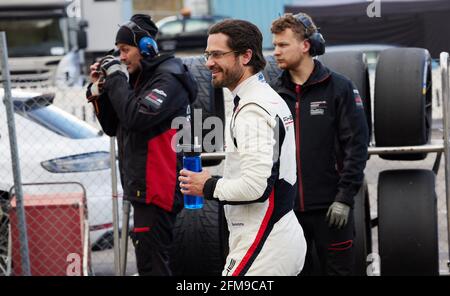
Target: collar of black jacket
149, 66
165, 63
319, 74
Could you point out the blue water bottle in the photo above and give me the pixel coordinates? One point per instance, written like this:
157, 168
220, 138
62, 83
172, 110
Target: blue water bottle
192, 162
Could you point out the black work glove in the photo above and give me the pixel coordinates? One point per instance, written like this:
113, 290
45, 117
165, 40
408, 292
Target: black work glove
110, 64
337, 214
95, 89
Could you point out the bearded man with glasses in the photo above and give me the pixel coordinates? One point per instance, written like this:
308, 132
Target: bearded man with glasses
265, 236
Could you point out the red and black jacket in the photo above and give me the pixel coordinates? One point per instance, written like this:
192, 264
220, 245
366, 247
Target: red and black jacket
331, 137
140, 114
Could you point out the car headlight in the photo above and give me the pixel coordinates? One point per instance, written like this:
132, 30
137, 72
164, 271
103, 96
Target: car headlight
86, 162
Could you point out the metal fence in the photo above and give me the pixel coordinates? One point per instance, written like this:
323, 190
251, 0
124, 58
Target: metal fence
65, 169
61, 160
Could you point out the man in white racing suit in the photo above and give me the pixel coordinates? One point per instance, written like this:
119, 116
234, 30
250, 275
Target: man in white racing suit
258, 193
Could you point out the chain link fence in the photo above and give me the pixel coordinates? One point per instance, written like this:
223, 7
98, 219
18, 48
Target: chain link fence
66, 172
5, 246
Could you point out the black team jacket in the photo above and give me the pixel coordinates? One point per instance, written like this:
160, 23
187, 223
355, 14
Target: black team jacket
331, 137
140, 113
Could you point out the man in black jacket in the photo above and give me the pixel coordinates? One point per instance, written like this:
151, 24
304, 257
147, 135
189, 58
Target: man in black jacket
331, 140
137, 101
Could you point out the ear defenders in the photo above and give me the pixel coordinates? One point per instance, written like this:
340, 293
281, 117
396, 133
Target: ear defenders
147, 45
315, 39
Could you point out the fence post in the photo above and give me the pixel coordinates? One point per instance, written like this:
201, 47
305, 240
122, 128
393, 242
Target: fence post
20, 209
444, 60
124, 239
115, 206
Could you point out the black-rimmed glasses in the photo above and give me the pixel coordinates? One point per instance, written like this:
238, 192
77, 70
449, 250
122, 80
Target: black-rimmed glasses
216, 54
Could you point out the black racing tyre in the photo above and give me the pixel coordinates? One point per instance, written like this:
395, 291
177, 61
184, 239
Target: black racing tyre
403, 90
353, 65
407, 223
209, 100
200, 241
363, 231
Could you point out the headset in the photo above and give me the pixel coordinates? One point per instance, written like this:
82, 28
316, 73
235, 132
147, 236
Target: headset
315, 39
147, 45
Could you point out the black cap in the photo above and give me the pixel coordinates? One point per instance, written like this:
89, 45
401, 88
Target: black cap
144, 27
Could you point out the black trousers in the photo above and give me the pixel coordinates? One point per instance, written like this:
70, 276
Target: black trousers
330, 250
152, 238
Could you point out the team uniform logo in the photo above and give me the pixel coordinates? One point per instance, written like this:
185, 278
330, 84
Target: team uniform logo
318, 108
288, 120
231, 265
358, 100
160, 92
155, 98
261, 77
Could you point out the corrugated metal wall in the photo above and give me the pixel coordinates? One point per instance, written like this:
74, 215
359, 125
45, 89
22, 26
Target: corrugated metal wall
259, 12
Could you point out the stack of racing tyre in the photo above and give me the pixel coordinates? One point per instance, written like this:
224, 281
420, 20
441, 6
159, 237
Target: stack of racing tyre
407, 203
407, 210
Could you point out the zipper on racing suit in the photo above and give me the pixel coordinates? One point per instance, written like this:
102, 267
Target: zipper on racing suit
298, 89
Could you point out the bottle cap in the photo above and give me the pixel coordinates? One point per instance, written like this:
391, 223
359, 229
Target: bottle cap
191, 149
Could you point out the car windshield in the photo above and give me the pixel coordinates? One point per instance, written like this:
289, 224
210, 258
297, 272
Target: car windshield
194, 25
171, 28
59, 121
33, 37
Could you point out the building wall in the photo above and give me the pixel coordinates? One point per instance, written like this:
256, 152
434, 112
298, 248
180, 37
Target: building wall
162, 8
197, 7
103, 18
259, 12
158, 8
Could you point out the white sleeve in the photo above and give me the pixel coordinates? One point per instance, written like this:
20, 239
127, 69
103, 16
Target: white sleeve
254, 133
